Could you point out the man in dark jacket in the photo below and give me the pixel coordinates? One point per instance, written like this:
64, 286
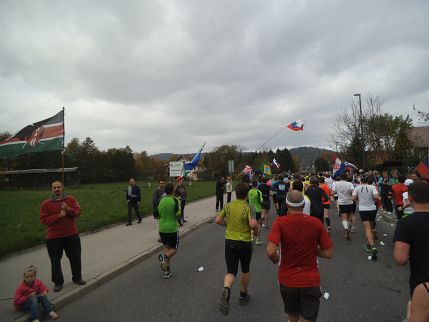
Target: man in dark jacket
133, 197
220, 189
317, 197
157, 195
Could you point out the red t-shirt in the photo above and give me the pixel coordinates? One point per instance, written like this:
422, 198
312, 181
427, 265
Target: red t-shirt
397, 191
299, 237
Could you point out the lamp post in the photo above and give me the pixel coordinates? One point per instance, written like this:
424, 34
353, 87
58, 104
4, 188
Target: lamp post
361, 130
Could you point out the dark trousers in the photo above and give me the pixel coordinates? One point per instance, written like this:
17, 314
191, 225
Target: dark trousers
182, 207
228, 196
71, 246
282, 209
219, 201
135, 206
387, 203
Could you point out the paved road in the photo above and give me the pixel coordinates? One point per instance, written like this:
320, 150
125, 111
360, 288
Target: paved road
360, 290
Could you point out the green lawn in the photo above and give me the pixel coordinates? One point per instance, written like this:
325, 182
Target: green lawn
102, 204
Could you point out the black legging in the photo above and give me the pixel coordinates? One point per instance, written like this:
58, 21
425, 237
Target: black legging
219, 201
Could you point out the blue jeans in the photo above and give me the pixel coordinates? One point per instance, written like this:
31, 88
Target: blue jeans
32, 305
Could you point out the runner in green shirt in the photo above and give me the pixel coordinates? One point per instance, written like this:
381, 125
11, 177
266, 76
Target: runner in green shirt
169, 211
236, 216
255, 201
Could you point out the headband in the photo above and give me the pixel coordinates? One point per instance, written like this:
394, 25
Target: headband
295, 204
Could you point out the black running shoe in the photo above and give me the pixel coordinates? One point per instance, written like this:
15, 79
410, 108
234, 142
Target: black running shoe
168, 274
243, 300
374, 252
224, 301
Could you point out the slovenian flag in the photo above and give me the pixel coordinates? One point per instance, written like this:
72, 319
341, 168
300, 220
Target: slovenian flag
297, 125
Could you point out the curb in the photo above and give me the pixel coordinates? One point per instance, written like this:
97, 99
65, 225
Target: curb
96, 282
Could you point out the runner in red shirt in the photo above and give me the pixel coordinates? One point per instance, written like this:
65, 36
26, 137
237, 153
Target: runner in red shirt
397, 191
302, 239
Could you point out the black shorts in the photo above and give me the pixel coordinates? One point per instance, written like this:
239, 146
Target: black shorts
258, 216
368, 215
353, 206
266, 203
327, 206
170, 239
345, 209
305, 301
237, 251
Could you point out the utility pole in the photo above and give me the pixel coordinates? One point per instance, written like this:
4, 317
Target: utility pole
361, 131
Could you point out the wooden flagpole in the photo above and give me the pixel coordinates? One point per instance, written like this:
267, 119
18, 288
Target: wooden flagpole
62, 152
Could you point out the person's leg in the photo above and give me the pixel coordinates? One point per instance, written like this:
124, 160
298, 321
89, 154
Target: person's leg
182, 209
137, 211
368, 232
293, 317
47, 306
221, 201
228, 196
55, 251
328, 220
231, 260
217, 201
130, 219
32, 305
72, 248
420, 303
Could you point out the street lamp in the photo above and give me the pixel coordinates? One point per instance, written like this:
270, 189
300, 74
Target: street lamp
361, 131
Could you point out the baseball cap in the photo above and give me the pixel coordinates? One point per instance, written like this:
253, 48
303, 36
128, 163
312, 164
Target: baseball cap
408, 182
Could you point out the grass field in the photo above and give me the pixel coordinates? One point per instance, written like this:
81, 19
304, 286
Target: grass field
102, 204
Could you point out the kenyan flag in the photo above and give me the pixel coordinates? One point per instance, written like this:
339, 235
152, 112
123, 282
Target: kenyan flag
46, 135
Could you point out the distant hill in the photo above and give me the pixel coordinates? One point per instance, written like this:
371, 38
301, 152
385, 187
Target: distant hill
308, 154
163, 156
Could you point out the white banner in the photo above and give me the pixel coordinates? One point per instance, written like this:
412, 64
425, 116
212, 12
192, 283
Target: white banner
176, 168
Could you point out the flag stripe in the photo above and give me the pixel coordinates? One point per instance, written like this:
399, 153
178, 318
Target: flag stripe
52, 131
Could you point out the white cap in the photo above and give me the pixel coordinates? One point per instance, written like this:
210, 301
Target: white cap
408, 182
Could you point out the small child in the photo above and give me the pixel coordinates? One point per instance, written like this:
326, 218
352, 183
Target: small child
30, 293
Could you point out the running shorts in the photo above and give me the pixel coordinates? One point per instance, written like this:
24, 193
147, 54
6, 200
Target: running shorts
170, 239
305, 301
237, 251
353, 206
368, 215
266, 203
345, 209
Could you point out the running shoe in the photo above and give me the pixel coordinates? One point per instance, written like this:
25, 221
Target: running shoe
168, 274
368, 248
163, 260
329, 229
243, 300
374, 253
258, 242
224, 301
353, 229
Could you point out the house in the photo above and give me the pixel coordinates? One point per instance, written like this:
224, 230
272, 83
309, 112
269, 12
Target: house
419, 138
197, 173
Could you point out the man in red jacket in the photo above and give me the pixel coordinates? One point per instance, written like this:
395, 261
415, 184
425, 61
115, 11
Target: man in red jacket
59, 214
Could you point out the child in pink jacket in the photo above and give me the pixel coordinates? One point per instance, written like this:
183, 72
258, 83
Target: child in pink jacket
30, 293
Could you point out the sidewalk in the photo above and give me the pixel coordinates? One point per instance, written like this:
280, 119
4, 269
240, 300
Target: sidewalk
105, 254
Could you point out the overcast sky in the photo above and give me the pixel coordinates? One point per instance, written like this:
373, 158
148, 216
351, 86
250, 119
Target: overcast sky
166, 76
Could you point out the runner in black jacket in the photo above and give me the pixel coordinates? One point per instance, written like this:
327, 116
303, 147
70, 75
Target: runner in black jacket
317, 197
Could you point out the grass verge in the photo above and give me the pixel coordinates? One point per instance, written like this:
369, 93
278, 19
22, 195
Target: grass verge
102, 205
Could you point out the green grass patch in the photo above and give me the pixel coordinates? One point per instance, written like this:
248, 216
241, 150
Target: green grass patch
102, 204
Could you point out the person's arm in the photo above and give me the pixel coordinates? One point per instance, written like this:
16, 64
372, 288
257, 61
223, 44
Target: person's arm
354, 195
401, 253
325, 253
46, 218
220, 219
20, 297
272, 252
71, 207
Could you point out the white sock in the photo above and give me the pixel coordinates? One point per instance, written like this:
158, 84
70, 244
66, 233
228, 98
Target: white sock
345, 224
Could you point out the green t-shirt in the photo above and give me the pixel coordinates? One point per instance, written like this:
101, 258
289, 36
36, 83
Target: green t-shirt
169, 211
237, 215
255, 199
